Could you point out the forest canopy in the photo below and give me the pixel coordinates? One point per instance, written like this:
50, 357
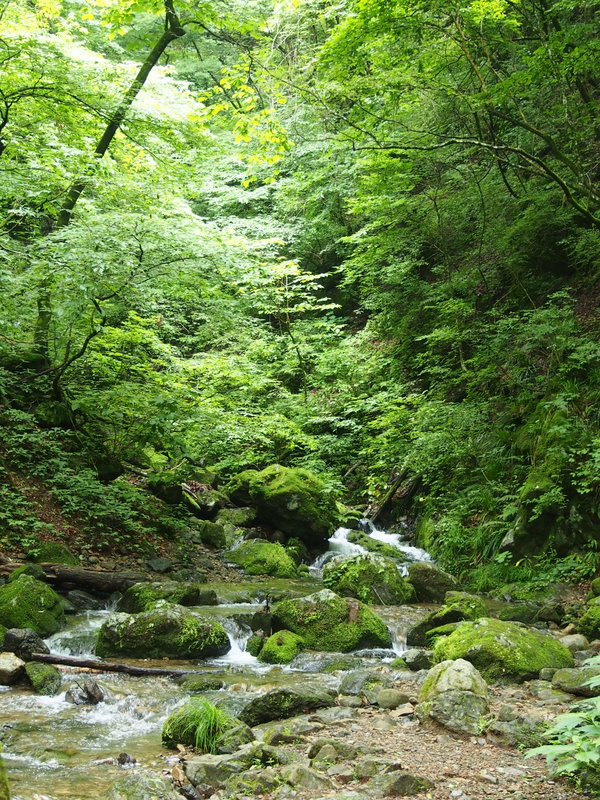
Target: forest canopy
357, 237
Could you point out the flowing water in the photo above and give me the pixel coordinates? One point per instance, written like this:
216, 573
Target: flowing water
54, 749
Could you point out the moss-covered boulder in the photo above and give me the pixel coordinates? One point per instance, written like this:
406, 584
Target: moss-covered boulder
166, 631
203, 504
503, 650
291, 499
455, 694
577, 681
144, 596
430, 582
198, 684
281, 648
370, 578
44, 678
595, 587
589, 623
209, 533
257, 557
53, 552
29, 603
237, 517
282, 703
328, 622
459, 606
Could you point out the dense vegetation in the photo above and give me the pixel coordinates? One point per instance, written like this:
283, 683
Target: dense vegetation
359, 237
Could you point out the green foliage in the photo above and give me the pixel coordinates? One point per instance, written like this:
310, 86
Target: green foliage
199, 724
574, 740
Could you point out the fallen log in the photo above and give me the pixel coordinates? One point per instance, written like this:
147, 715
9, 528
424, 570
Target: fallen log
96, 581
104, 666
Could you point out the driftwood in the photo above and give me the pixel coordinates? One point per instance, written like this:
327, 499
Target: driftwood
103, 666
92, 580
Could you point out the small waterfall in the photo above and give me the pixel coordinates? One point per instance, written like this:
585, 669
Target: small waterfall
340, 546
238, 637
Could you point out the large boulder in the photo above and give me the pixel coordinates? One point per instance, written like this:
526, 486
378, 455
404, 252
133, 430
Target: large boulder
328, 622
455, 694
283, 703
503, 650
143, 596
166, 631
257, 557
293, 500
142, 786
430, 582
459, 606
29, 603
372, 579
215, 770
577, 681
24, 643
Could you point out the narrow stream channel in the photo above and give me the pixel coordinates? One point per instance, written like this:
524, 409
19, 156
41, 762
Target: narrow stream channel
54, 749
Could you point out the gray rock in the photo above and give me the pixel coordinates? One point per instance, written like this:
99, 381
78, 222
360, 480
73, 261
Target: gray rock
23, 642
391, 698
160, 564
349, 701
305, 779
11, 668
547, 673
364, 682
142, 786
575, 680
252, 783
543, 690
340, 749
455, 694
398, 784
89, 693
430, 582
525, 730
282, 703
216, 770
418, 658
234, 738
82, 601
575, 642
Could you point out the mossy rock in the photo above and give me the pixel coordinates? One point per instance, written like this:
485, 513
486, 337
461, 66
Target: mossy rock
430, 582
257, 557
198, 684
282, 703
255, 644
293, 500
144, 596
142, 786
166, 631
34, 570
29, 603
44, 678
281, 648
503, 650
589, 623
2, 634
332, 623
372, 579
595, 587
377, 547
237, 517
53, 552
209, 533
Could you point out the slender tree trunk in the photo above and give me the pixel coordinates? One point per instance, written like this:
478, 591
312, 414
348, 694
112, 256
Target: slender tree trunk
173, 30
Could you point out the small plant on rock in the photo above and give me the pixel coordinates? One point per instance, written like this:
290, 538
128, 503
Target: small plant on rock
198, 724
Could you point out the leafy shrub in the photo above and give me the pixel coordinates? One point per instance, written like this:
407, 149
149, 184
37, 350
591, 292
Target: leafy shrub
574, 746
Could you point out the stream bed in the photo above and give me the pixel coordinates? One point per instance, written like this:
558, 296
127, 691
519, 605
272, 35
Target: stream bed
54, 749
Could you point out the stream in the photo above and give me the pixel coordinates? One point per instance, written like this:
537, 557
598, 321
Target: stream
54, 749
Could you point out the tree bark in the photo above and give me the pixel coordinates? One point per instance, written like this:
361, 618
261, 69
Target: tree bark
96, 581
103, 666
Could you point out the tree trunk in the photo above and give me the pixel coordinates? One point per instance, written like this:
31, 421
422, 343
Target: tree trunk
103, 666
92, 580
